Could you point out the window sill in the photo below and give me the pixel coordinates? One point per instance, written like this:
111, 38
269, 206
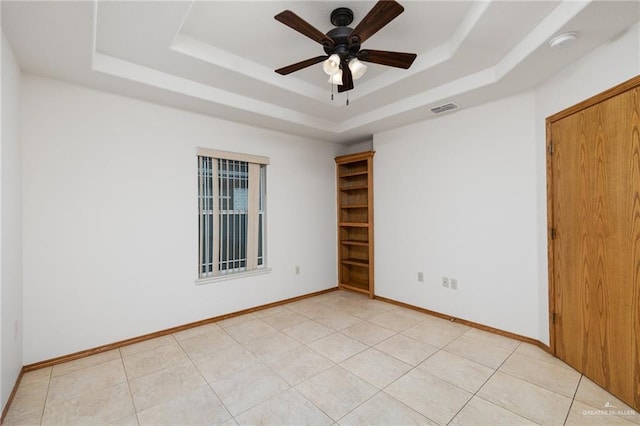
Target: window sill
235, 275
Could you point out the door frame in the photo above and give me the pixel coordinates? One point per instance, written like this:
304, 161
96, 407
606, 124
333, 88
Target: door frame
632, 83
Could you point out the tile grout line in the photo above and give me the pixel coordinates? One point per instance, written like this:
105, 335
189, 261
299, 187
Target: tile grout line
475, 394
126, 375
202, 375
46, 398
573, 399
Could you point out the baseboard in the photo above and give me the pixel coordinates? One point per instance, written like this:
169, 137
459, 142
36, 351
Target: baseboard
121, 343
469, 323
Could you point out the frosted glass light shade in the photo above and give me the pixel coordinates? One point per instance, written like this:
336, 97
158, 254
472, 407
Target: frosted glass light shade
357, 68
336, 78
331, 65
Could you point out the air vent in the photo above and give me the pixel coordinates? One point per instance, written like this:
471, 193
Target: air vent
443, 108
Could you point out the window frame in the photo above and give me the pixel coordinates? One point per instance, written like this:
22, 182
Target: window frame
256, 192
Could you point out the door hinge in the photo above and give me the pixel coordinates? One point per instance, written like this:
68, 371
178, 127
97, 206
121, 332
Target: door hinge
552, 232
550, 148
553, 318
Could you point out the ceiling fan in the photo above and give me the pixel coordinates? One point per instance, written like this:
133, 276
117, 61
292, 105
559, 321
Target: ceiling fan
342, 44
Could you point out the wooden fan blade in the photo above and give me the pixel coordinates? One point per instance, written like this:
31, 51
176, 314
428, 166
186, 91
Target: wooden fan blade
383, 57
380, 15
347, 79
300, 65
295, 22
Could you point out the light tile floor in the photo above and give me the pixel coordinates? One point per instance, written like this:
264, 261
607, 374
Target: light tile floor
335, 359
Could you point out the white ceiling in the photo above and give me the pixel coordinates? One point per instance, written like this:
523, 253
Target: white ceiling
218, 57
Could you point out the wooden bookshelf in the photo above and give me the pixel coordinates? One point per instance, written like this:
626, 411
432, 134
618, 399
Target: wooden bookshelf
354, 176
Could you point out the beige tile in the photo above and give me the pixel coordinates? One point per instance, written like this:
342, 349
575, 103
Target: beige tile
206, 343
270, 311
493, 339
310, 308
142, 363
308, 331
236, 320
284, 319
28, 403
36, 376
164, 385
248, 388
89, 379
459, 371
393, 321
363, 311
368, 333
411, 313
224, 362
583, 414
406, 349
147, 345
337, 347
250, 330
336, 391
198, 407
376, 367
532, 351
99, 407
543, 373
287, 408
89, 361
593, 395
383, 410
31, 418
127, 421
337, 320
479, 412
436, 332
271, 344
299, 364
196, 331
476, 350
525, 399
432, 397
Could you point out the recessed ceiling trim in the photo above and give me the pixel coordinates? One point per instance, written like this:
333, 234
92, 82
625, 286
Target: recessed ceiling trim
140, 74
471, 19
205, 52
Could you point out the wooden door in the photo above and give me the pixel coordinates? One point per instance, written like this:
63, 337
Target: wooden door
594, 244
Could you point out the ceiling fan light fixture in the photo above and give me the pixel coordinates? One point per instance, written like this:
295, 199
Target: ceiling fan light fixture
336, 78
357, 68
332, 64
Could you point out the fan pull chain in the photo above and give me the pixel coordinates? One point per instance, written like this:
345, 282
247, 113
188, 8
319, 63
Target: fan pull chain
331, 91
347, 98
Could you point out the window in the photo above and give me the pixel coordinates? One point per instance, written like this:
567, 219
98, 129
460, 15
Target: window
231, 213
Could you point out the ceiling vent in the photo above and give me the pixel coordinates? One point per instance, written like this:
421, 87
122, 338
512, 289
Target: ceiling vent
443, 108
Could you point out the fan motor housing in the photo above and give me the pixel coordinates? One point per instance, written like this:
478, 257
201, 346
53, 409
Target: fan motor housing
344, 46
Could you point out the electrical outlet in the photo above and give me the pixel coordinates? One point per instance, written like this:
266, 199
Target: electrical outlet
297, 270
445, 282
454, 283
420, 277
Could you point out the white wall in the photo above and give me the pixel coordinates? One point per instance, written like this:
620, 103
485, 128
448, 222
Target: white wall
10, 226
110, 227
464, 196
453, 198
